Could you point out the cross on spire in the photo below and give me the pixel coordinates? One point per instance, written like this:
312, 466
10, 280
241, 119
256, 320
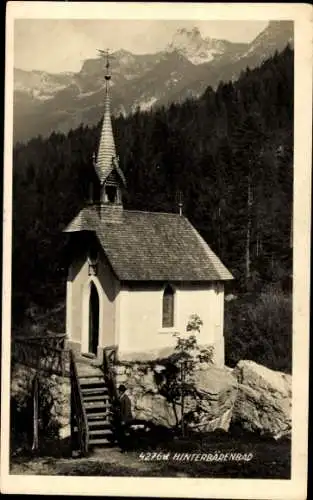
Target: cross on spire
106, 54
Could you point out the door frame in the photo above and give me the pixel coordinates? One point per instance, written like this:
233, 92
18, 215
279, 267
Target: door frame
86, 305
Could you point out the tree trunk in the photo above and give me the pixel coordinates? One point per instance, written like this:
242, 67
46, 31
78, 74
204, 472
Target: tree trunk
35, 444
182, 379
219, 230
248, 234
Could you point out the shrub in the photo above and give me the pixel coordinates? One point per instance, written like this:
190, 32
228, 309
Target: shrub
260, 328
176, 382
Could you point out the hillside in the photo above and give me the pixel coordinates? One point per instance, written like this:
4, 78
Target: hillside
235, 140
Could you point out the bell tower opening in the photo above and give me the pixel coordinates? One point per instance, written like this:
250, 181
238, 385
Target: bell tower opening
111, 193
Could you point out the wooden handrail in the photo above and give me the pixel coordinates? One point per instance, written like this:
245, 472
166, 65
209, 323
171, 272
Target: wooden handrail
49, 335
33, 342
78, 407
56, 341
109, 357
40, 355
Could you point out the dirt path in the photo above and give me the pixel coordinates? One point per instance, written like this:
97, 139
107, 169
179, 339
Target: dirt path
110, 461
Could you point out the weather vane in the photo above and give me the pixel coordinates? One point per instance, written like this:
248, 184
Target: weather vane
108, 56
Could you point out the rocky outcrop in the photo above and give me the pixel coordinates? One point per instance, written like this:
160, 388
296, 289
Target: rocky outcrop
251, 395
153, 408
263, 402
210, 409
216, 392
147, 403
54, 394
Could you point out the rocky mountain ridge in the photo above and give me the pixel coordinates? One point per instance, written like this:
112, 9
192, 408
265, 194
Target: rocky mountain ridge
45, 102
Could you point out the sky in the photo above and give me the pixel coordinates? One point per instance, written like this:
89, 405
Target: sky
57, 45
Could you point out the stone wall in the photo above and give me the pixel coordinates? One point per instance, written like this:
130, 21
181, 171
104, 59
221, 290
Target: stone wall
255, 397
55, 400
210, 409
147, 403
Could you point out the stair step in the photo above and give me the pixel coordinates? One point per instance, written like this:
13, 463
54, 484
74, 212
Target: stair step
100, 432
105, 428
104, 415
93, 398
87, 378
94, 390
99, 415
92, 383
88, 355
99, 423
97, 404
99, 441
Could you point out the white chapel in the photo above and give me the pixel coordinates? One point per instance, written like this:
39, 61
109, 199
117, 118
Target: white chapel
136, 277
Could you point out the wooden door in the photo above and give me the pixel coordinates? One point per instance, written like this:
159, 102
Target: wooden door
93, 320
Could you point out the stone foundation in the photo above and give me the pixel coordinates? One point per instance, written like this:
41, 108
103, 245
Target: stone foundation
55, 400
255, 397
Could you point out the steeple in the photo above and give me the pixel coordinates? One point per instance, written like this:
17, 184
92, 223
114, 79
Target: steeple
106, 163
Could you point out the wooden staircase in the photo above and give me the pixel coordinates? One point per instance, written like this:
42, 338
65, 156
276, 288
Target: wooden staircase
98, 409
92, 424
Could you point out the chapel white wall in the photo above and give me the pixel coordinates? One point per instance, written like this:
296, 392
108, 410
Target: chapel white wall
140, 318
77, 302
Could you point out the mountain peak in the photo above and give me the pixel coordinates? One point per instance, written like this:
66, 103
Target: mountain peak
184, 36
198, 50
193, 32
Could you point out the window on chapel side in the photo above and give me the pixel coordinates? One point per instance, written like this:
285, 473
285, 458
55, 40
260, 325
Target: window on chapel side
168, 307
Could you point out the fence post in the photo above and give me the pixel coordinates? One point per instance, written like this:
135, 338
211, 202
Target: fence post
35, 444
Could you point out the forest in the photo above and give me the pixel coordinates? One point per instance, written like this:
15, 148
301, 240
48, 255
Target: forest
228, 155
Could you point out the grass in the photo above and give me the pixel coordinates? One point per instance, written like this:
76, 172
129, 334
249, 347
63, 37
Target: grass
268, 460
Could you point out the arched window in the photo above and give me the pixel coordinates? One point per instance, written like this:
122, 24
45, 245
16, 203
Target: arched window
168, 307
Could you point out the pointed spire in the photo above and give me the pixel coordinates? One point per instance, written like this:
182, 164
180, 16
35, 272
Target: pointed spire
106, 158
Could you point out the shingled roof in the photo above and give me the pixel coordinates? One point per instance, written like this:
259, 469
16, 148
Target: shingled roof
152, 246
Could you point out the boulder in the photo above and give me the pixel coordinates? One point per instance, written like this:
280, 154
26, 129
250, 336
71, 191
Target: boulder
153, 408
142, 380
210, 409
147, 404
54, 395
216, 392
251, 395
263, 403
